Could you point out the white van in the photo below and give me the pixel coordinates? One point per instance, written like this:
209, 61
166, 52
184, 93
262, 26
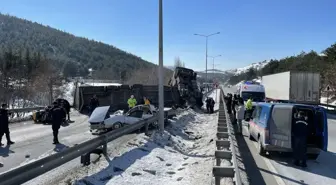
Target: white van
253, 90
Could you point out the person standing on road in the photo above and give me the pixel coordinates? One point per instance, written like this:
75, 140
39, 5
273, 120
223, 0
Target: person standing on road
146, 101
212, 105
240, 110
58, 115
233, 107
249, 107
207, 103
229, 104
146, 106
300, 132
94, 103
4, 127
131, 102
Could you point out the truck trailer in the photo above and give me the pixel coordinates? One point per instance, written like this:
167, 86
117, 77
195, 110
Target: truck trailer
298, 87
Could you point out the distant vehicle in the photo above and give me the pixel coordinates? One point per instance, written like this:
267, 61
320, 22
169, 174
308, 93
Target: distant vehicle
253, 90
298, 87
271, 126
101, 120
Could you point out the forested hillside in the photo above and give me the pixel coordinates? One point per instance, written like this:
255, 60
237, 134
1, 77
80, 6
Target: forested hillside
35, 59
324, 63
73, 55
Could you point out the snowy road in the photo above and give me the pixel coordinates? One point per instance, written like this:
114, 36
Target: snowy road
34, 141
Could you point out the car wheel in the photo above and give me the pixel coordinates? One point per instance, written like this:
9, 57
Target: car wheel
250, 135
261, 149
117, 126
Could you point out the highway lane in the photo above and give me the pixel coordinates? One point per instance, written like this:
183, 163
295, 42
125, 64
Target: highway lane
34, 141
321, 171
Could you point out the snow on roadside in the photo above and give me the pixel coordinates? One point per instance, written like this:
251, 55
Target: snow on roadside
183, 154
69, 90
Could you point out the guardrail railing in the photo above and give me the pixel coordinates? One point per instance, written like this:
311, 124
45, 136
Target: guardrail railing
28, 109
32, 170
225, 148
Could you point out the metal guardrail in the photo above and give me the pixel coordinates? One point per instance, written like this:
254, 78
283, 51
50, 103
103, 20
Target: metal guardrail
28, 109
32, 170
225, 148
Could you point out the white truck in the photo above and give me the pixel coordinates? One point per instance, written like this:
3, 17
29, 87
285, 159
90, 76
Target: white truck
298, 87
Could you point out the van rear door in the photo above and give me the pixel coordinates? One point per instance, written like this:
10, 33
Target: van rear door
281, 126
322, 126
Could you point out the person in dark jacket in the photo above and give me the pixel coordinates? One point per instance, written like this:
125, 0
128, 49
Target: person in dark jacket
229, 103
58, 115
233, 107
212, 105
94, 103
4, 127
300, 132
207, 102
66, 105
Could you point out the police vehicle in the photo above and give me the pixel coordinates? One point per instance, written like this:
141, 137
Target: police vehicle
271, 126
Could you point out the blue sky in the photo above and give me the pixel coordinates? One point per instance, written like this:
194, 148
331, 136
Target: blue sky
251, 30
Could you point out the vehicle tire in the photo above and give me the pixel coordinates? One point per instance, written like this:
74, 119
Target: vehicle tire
250, 135
313, 156
117, 126
261, 149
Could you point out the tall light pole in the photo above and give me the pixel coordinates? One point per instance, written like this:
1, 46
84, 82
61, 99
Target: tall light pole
206, 51
213, 63
161, 100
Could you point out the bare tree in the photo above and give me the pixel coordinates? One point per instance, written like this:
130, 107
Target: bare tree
178, 62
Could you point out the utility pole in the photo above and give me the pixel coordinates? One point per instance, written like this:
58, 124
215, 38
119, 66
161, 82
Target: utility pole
161, 95
213, 64
206, 52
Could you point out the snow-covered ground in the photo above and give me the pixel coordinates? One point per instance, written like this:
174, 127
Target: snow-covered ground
332, 101
256, 66
183, 154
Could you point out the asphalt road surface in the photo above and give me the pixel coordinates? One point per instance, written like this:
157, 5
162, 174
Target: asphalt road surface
33, 141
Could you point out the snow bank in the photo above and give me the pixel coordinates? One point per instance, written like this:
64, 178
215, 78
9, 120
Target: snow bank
101, 84
183, 154
68, 90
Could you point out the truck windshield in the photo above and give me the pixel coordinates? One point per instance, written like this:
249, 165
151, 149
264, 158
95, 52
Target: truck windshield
256, 96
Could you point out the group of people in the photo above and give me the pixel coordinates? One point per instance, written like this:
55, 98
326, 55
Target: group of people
235, 106
131, 102
57, 113
210, 104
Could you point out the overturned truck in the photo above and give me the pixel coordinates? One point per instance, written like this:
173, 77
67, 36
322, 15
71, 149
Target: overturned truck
185, 90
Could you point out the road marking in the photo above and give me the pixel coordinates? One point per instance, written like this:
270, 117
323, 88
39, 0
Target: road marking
270, 166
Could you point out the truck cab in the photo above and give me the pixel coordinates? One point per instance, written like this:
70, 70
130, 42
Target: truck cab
271, 126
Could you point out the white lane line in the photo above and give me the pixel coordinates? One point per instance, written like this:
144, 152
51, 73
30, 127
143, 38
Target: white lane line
270, 166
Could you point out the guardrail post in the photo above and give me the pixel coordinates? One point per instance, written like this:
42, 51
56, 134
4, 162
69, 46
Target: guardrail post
225, 148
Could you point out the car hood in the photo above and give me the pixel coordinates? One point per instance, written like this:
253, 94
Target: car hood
99, 114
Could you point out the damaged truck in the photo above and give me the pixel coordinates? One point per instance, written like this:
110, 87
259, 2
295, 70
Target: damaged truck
185, 90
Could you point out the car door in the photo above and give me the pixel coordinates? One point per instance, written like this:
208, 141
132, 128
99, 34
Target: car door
254, 121
134, 117
321, 122
281, 126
